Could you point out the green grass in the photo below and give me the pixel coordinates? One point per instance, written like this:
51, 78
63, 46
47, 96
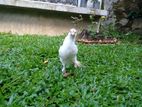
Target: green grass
111, 75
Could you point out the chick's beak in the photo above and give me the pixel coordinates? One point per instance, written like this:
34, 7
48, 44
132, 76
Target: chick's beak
73, 34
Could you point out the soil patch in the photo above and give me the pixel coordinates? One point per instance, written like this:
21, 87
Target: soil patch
86, 37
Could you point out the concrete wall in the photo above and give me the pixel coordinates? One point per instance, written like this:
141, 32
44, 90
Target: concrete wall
34, 21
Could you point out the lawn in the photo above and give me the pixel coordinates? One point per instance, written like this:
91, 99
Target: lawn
111, 75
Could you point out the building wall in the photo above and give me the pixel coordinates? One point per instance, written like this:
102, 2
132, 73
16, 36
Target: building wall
33, 21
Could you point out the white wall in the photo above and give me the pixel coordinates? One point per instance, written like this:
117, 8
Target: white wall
26, 22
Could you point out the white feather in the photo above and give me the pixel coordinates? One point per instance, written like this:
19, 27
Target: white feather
68, 50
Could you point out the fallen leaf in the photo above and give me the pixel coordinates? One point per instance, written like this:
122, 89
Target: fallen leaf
45, 62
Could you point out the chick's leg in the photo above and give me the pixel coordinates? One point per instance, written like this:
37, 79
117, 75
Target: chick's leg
76, 62
65, 74
63, 66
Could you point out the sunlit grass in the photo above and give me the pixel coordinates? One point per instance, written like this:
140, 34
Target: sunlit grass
111, 75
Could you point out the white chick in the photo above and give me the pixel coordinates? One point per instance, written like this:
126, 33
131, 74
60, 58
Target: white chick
68, 51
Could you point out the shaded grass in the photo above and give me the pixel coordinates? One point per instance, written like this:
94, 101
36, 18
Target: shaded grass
111, 74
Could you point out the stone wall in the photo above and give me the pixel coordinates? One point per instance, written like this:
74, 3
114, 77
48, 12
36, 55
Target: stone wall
126, 13
129, 15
